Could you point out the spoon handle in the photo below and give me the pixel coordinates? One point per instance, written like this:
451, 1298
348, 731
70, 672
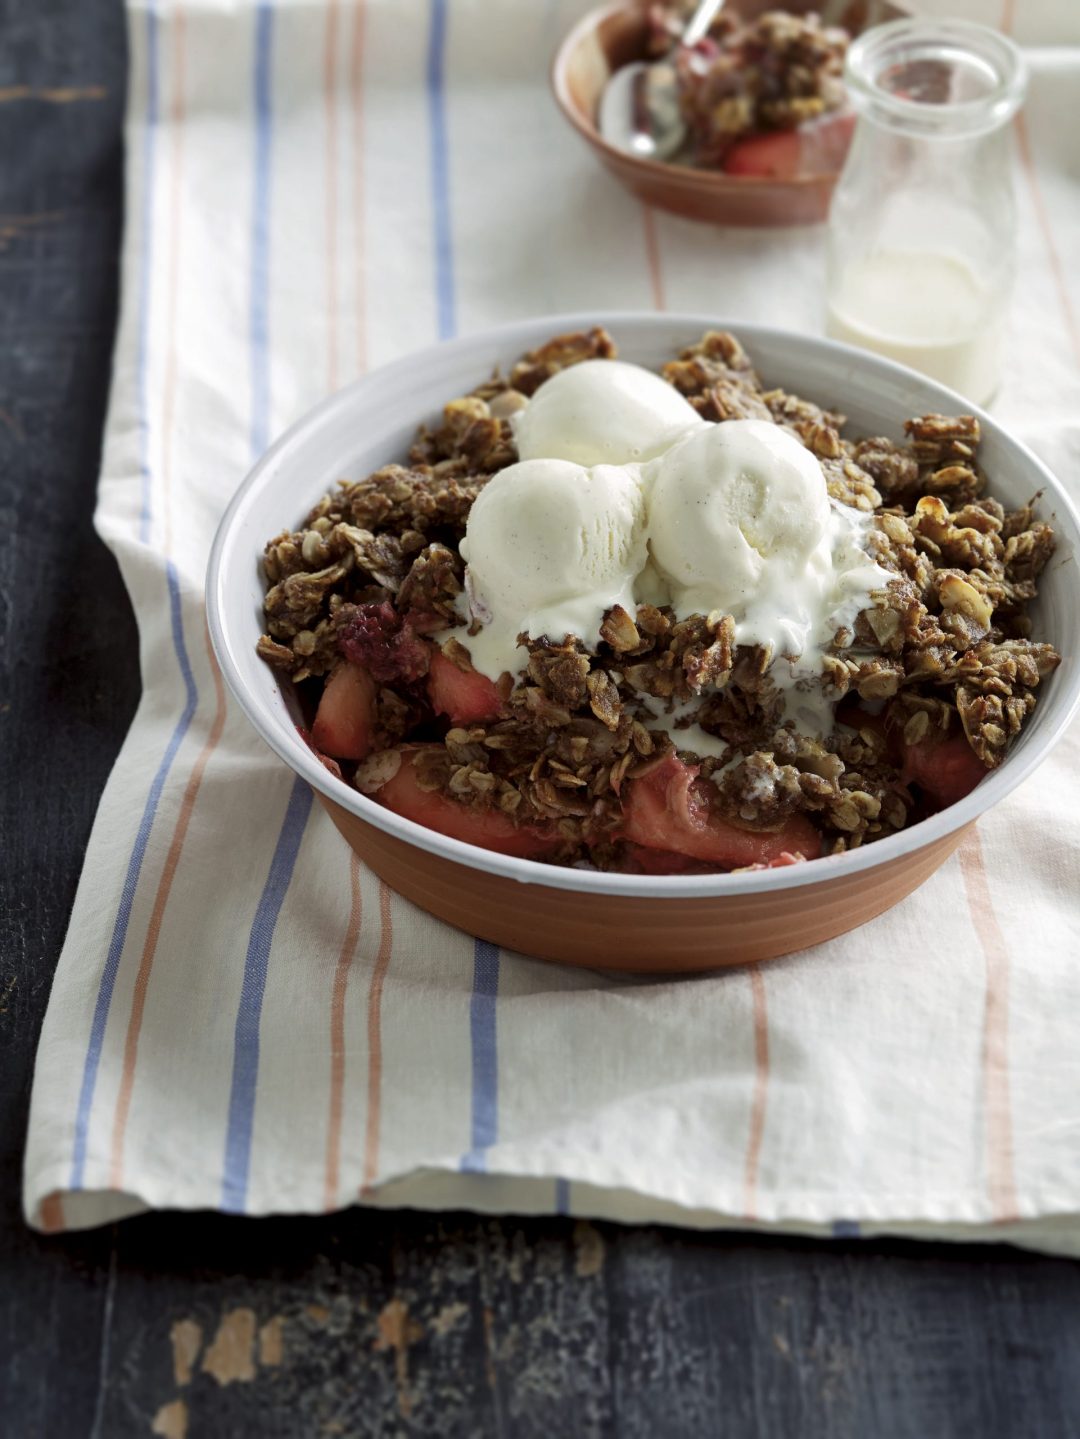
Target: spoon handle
700, 21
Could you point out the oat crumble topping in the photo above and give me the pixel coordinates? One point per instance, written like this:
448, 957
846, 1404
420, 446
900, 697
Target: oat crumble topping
748, 78
930, 688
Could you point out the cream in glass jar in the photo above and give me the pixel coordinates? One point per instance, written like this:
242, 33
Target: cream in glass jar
922, 231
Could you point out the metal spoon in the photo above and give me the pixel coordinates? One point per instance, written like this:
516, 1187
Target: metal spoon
639, 109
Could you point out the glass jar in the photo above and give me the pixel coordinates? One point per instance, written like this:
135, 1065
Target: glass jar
922, 230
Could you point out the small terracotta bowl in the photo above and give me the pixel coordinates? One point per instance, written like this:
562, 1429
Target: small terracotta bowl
608, 38
614, 921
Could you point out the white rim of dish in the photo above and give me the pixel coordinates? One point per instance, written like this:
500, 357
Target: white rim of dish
302, 761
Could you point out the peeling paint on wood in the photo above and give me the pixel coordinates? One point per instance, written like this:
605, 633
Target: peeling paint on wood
590, 1250
397, 1331
186, 1337
171, 1420
230, 1358
52, 94
489, 1346
448, 1317
272, 1342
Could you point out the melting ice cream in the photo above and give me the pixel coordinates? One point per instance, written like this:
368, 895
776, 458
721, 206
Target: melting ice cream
624, 495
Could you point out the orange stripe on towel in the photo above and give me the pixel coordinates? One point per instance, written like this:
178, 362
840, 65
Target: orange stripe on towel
157, 915
374, 1095
760, 1096
172, 858
1043, 217
337, 1033
330, 107
997, 1105
52, 1213
652, 256
356, 87
168, 403
352, 932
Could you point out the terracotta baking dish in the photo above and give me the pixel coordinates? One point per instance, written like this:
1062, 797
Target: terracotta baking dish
613, 921
628, 932
613, 36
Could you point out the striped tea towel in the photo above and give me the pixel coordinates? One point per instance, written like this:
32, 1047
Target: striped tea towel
243, 1017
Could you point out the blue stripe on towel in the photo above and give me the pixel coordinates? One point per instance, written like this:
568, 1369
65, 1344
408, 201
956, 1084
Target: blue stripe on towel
259, 325
485, 1073
107, 983
440, 173
246, 1042
482, 1006
145, 256
846, 1229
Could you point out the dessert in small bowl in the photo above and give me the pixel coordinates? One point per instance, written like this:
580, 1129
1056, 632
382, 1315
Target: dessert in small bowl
553, 718
762, 99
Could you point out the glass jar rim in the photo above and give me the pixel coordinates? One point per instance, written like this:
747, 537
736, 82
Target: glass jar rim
910, 40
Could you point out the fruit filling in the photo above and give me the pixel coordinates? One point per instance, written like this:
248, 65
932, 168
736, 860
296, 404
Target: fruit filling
662, 623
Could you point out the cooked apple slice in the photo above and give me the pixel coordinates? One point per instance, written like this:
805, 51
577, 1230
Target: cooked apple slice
486, 828
817, 148
345, 720
670, 808
773, 157
945, 769
464, 695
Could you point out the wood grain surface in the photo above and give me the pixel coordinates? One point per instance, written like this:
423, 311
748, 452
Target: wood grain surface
365, 1323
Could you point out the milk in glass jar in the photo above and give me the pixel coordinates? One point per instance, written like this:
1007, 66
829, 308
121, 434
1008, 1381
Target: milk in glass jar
922, 231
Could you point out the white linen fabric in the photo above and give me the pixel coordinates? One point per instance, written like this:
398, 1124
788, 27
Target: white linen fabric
243, 1017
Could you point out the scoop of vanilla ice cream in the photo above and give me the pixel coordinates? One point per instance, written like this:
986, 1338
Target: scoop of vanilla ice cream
736, 511
550, 546
602, 412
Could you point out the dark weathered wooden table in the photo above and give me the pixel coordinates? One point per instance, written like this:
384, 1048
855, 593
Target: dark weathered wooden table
365, 1323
